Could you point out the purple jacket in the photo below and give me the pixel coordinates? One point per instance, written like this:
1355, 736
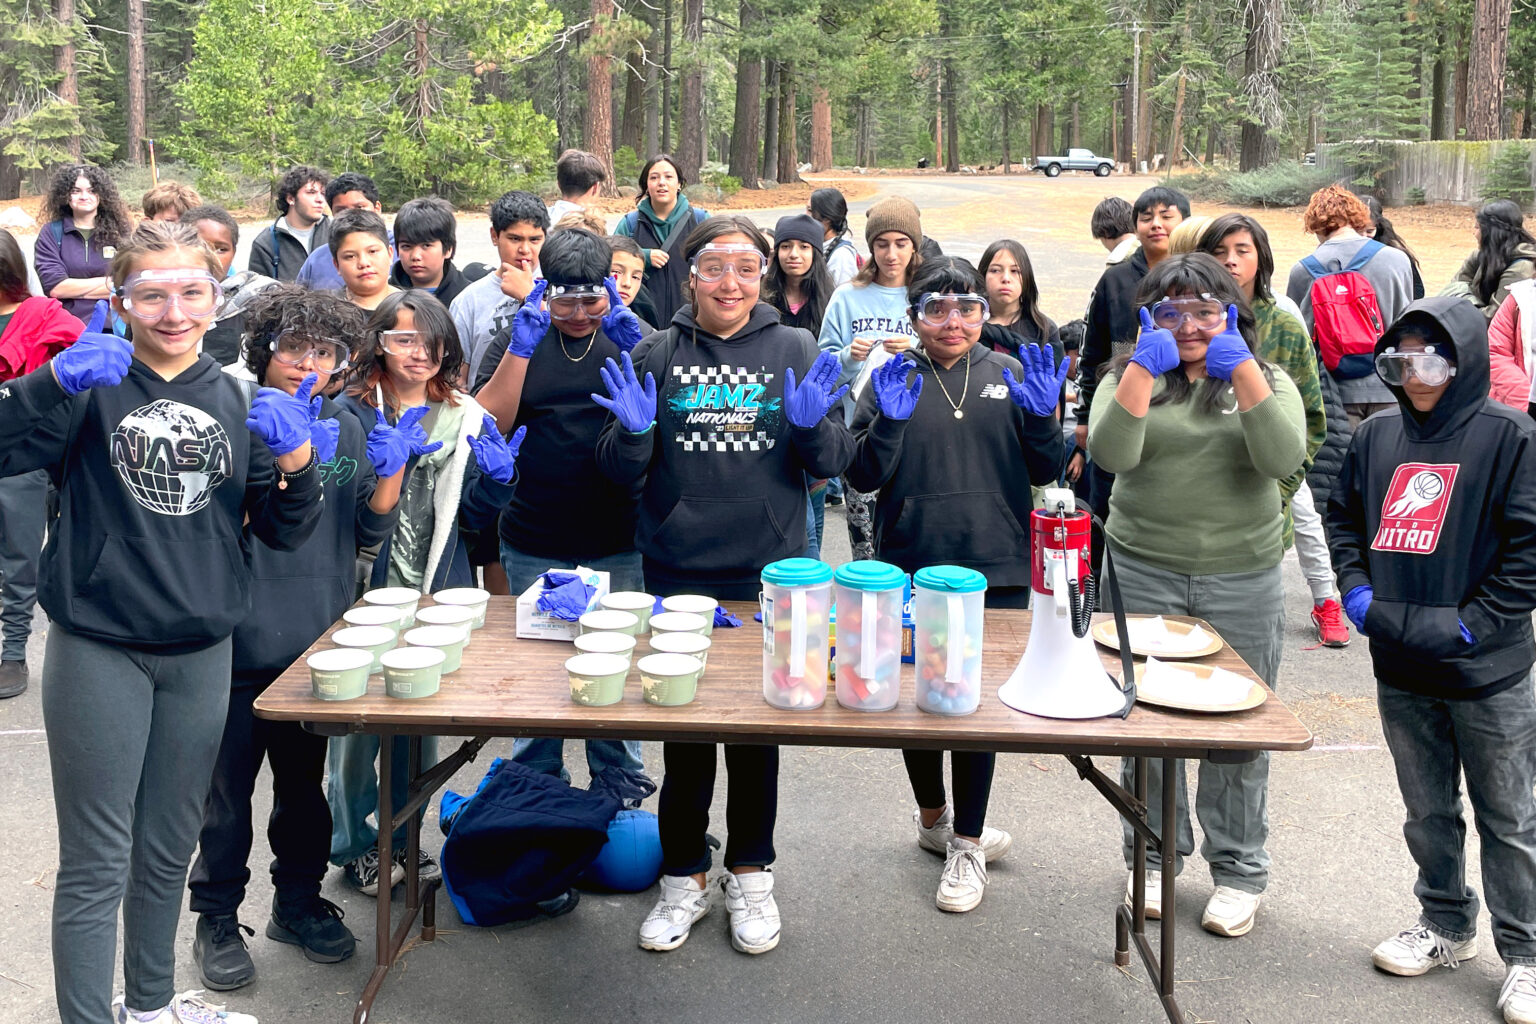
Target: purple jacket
61, 254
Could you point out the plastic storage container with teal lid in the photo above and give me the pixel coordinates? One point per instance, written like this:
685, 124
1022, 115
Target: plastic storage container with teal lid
949, 608
869, 599
796, 605
952, 579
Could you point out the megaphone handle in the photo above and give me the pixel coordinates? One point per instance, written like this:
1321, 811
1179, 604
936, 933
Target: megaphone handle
867, 632
797, 634
954, 669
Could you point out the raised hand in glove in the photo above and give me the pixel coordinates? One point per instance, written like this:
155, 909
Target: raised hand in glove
391, 447
95, 360
530, 323
496, 455
632, 404
621, 325
1156, 351
895, 399
806, 404
281, 420
1227, 351
1040, 390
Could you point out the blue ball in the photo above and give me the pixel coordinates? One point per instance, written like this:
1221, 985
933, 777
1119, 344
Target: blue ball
631, 859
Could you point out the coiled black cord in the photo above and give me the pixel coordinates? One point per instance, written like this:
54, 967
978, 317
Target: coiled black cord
1080, 606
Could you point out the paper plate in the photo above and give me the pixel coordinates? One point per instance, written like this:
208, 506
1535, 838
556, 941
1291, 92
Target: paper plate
1104, 633
1256, 694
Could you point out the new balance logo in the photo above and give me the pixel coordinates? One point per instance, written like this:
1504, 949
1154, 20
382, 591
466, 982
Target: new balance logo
995, 391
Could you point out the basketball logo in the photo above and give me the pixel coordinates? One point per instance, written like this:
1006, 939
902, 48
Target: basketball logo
1414, 508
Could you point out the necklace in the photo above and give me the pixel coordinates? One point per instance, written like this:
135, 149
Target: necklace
965, 387
591, 340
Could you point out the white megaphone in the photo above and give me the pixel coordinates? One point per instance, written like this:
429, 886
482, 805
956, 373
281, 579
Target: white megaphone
1060, 675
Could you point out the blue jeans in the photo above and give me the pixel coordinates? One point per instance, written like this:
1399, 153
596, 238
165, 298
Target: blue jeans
1493, 741
815, 520
354, 790
547, 753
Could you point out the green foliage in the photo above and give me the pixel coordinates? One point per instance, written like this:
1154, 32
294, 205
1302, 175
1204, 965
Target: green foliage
1209, 186
626, 166
1415, 196
724, 184
1280, 184
1509, 176
35, 124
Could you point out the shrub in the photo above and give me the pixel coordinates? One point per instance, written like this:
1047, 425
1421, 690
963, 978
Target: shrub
626, 165
1509, 176
1415, 196
1279, 184
724, 184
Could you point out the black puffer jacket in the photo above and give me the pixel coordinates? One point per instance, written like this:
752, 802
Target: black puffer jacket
1330, 457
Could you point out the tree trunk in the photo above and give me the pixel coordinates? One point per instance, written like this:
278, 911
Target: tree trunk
862, 147
650, 143
1176, 129
69, 77
636, 107
1007, 156
599, 127
938, 114
1437, 90
563, 129
1459, 79
690, 135
1261, 56
1127, 118
1077, 123
1529, 80
788, 159
1490, 42
951, 118
771, 121
666, 81
1143, 82
746, 129
821, 130
1210, 145
137, 81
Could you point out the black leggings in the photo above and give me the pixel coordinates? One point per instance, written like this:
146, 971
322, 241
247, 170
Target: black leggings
751, 807
972, 771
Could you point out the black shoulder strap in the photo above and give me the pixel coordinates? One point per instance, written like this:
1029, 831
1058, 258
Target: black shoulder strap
276, 248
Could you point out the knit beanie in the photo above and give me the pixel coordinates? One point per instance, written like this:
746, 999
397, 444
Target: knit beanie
801, 228
893, 214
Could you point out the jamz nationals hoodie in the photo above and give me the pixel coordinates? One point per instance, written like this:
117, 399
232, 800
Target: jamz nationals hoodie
1437, 512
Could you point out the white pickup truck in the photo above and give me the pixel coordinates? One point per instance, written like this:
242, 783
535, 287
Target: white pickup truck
1075, 160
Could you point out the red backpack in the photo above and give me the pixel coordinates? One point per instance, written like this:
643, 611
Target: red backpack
1346, 320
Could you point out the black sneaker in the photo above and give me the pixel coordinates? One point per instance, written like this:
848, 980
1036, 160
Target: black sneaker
363, 873
428, 866
13, 679
315, 924
220, 952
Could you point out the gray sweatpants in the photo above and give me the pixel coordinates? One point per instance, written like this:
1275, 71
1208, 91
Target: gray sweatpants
1248, 610
21, 545
132, 739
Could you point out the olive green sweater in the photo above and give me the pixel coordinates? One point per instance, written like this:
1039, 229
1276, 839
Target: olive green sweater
1195, 491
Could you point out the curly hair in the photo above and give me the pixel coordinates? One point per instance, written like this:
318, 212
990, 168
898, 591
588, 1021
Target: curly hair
1332, 208
433, 321
293, 182
113, 221
288, 307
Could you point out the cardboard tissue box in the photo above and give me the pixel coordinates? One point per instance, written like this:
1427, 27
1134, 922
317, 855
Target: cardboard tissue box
533, 624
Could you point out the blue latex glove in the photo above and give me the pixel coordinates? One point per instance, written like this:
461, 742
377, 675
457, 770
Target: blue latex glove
325, 435
807, 404
1040, 390
496, 455
390, 447
1227, 351
895, 399
621, 326
282, 420
95, 360
567, 600
632, 404
725, 618
1356, 603
530, 323
1156, 351
1466, 634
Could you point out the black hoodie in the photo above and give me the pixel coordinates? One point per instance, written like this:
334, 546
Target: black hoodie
1437, 512
957, 490
156, 479
447, 289
296, 595
725, 491
1113, 323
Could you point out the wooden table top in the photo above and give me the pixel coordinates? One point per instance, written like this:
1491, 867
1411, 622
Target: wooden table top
513, 687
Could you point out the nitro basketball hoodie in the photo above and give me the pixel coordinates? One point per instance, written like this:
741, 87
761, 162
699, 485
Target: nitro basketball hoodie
156, 479
1437, 512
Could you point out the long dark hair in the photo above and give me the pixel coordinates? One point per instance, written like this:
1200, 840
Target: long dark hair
1503, 229
113, 221
1029, 290
830, 205
13, 270
1386, 234
645, 173
816, 286
1230, 224
1194, 273
432, 320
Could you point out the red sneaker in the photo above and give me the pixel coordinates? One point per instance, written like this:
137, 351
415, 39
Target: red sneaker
1328, 617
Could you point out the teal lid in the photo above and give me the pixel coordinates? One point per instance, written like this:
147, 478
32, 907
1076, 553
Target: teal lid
868, 574
797, 572
952, 579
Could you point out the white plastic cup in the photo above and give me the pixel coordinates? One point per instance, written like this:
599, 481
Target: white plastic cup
695, 644
447, 615
404, 600
373, 639
609, 620
679, 622
637, 604
472, 598
694, 604
412, 672
339, 673
448, 639
374, 615
621, 644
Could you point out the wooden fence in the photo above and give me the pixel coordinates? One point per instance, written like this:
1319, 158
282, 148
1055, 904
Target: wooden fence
1448, 172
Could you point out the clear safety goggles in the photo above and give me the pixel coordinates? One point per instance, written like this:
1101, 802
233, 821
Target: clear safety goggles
1427, 366
327, 355
150, 294
410, 343
567, 302
935, 309
713, 262
1206, 313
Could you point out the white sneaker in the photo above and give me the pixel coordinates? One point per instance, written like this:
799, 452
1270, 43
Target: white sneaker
964, 880
1154, 892
1417, 950
994, 841
754, 913
1518, 996
683, 901
187, 1008
1230, 912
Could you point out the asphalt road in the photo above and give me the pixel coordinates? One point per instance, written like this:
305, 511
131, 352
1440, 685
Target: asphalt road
862, 939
